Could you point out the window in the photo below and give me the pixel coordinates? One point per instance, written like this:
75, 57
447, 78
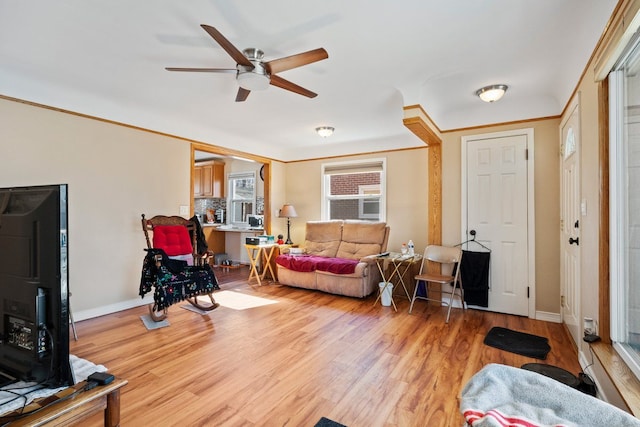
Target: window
354, 190
242, 197
624, 204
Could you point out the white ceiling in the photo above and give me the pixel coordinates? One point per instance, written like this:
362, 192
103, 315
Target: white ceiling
107, 58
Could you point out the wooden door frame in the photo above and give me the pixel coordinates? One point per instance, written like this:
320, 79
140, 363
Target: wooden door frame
214, 149
531, 226
574, 106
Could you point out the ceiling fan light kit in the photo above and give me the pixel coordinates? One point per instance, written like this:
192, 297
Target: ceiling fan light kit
253, 79
252, 73
325, 131
492, 93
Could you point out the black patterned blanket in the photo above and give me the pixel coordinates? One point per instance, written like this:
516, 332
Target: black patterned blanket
174, 280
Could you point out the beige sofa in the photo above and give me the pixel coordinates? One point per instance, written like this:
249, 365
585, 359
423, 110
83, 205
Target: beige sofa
332, 246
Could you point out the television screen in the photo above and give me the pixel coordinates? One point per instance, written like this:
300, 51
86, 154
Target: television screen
34, 299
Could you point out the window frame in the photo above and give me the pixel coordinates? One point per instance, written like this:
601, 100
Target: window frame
231, 200
619, 244
353, 166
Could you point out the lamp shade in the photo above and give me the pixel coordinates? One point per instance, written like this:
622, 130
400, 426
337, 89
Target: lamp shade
492, 93
288, 211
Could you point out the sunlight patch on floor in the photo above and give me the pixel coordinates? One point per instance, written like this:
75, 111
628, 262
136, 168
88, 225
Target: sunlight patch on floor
235, 300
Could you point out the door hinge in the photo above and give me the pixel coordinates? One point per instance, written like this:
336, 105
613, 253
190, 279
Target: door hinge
527, 292
526, 154
561, 300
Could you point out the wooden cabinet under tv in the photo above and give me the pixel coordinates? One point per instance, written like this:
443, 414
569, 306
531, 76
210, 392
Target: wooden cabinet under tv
208, 179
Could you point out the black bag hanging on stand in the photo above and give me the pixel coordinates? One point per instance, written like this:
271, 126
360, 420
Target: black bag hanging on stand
474, 270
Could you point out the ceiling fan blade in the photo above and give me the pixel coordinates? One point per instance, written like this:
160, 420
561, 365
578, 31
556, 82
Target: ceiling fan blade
298, 60
203, 70
226, 45
286, 84
242, 94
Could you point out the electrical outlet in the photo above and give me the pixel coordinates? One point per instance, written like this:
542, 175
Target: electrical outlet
184, 210
589, 326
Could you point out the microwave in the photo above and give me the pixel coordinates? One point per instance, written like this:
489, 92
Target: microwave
255, 220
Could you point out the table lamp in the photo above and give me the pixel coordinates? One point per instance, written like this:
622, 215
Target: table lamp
288, 211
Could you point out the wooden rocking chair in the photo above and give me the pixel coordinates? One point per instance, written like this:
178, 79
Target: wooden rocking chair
173, 245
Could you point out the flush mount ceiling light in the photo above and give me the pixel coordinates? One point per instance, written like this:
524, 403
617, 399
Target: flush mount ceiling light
325, 131
492, 93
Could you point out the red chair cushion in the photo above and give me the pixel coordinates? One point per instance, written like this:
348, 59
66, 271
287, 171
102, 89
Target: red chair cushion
173, 239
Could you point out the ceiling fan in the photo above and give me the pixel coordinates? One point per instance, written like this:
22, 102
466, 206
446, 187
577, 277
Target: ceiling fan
252, 73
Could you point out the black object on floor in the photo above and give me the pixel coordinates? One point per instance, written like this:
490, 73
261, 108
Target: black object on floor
558, 374
326, 422
518, 342
586, 384
582, 382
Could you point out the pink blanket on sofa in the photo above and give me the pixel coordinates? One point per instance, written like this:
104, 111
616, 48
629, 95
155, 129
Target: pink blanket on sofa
307, 263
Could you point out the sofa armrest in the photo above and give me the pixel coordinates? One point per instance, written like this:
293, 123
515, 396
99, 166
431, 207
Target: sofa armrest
287, 250
369, 259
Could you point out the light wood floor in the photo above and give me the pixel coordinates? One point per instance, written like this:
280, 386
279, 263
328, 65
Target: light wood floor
309, 355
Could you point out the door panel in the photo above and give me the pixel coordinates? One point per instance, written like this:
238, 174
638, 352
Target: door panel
497, 209
570, 225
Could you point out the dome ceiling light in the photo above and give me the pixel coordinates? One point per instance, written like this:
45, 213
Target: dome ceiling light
492, 93
325, 131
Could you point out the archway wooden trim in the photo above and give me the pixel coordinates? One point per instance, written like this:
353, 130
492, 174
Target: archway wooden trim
195, 146
418, 122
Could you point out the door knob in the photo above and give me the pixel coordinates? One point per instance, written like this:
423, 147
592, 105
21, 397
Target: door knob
576, 241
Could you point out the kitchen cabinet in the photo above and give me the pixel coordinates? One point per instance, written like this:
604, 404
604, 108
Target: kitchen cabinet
215, 239
208, 179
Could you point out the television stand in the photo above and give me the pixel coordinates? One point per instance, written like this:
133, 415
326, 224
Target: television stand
72, 411
6, 379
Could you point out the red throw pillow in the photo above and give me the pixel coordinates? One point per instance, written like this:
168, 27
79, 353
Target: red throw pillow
173, 239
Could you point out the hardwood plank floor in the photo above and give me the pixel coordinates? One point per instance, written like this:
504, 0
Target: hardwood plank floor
309, 355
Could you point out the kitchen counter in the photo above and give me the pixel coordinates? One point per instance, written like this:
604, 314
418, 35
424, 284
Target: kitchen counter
230, 228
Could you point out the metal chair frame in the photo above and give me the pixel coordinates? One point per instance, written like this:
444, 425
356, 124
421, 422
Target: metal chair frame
443, 255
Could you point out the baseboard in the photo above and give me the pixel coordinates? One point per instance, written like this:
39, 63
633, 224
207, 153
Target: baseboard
548, 317
112, 308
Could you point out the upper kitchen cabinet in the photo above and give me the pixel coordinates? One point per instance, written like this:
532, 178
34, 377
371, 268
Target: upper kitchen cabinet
208, 179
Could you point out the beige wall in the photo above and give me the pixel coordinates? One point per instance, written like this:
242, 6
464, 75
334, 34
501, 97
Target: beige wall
547, 211
587, 95
114, 174
407, 184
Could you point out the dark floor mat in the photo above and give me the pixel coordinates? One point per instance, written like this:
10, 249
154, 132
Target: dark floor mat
518, 342
326, 422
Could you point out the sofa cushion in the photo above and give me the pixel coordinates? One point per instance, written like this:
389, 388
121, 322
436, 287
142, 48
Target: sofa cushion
363, 232
337, 265
357, 251
360, 239
307, 263
301, 263
322, 238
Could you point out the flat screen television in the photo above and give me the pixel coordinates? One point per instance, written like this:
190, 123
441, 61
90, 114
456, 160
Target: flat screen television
34, 297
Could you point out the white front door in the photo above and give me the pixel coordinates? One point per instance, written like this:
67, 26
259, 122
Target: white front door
570, 223
498, 207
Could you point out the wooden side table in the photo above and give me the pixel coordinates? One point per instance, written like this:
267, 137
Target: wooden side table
71, 411
395, 266
256, 254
